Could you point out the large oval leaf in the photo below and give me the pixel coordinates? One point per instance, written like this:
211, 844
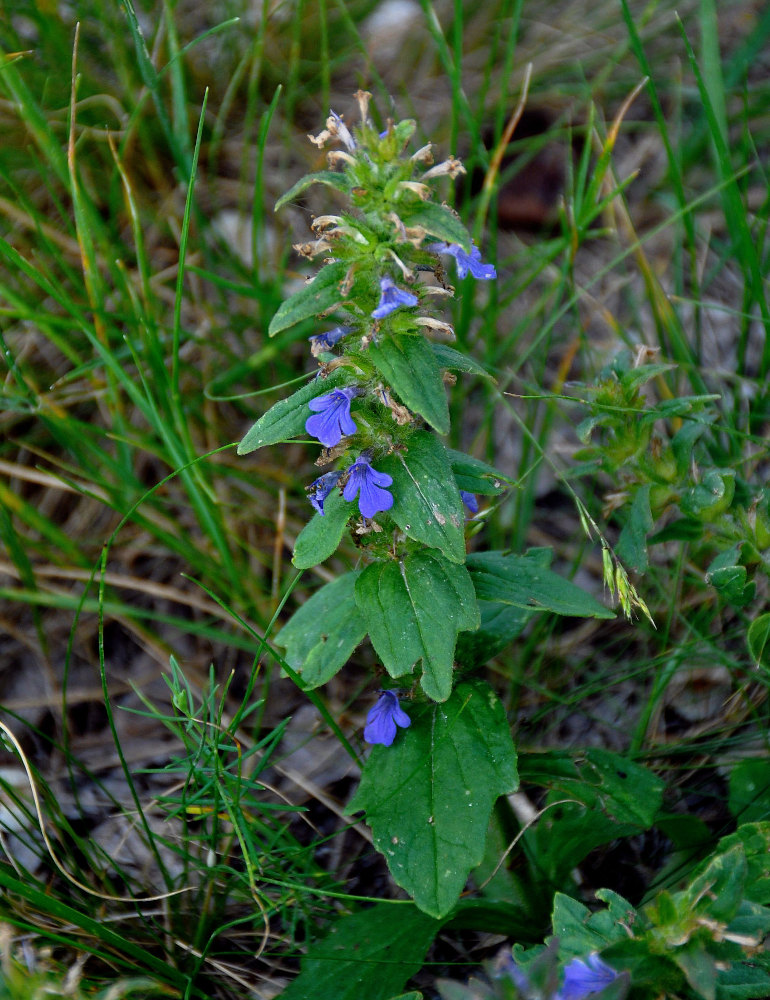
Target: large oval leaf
321, 636
409, 366
426, 501
413, 610
428, 797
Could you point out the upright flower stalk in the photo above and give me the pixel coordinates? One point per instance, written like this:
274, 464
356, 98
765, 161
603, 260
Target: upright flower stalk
394, 235
378, 404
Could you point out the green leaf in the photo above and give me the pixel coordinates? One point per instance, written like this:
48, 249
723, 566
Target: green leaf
632, 544
286, 419
321, 636
318, 295
413, 610
322, 534
428, 798
637, 377
368, 955
524, 582
624, 791
499, 625
683, 444
728, 577
618, 915
731, 584
426, 501
328, 177
743, 981
408, 365
758, 640
712, 496
718, 890
566, 834
754, 839
475, 476
455, 361
699, 968
438, 220
683, 530
751, 920
586, 427
572, 925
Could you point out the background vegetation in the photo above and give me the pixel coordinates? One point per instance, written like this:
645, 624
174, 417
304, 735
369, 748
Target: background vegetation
153, 743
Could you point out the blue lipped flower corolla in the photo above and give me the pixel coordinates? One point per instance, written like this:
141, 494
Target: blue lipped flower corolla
320, 489
470, 501
467, 262
331, 416
391, 298
373, 495
582, 977
320, 342
382, 720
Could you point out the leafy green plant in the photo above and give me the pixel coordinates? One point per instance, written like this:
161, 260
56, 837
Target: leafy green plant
665, 480
378, 406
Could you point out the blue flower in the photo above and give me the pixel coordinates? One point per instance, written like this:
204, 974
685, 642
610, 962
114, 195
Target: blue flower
320, 489
325, 341
332, 416
470, 501
382, 720
373, 497
391, 298
582, 977
467, 262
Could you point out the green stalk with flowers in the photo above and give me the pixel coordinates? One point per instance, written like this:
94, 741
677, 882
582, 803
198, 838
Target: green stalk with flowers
378, 406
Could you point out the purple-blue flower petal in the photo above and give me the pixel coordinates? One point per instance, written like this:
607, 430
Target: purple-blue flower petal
382, 720
331, 416
369, 485
391, 298
582, 977
320, 489
467, 262
325, 341
470, 501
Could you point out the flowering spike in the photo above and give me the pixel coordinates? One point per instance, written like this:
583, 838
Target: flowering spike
320, 489
382, 720
331, 416
373, 496
467, 262
391, 298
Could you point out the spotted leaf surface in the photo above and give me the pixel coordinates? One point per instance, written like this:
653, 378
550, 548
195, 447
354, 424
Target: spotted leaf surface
428, 798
